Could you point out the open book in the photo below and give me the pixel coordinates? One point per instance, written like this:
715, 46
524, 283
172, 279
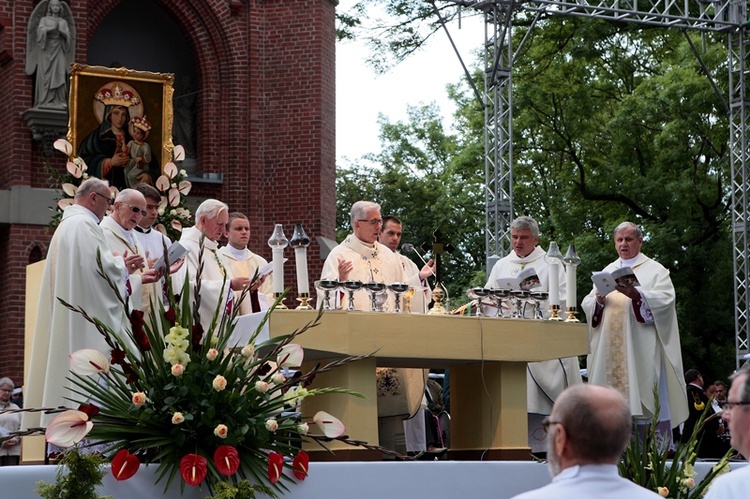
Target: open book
176, 251
524, 280
606, 282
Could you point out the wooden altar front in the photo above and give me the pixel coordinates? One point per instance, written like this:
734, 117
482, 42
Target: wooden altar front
486, 356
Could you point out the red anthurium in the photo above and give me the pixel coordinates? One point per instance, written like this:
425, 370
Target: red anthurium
275, 465
124, 465
89, 409
227, 460
301, 464
193, 469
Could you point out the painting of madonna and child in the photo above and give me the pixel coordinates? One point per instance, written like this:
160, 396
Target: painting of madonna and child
121, 123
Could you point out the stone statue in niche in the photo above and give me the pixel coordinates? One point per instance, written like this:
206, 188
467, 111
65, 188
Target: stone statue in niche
183, 128
50, 50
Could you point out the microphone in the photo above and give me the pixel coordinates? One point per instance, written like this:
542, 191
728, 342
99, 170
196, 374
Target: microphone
410, 247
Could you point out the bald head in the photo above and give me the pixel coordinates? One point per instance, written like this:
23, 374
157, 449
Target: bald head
597, 424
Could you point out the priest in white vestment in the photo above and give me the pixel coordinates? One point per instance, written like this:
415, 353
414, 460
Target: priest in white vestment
417, 278
118, 227
635, 340
70, 273
217, 282
360, 257
244, 263
547, 379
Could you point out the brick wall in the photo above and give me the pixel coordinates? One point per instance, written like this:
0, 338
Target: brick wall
266, 122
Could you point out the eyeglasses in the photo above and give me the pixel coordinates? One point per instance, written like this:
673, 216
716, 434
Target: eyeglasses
728, 406
135, 209
108, 198
546, 422
374, 221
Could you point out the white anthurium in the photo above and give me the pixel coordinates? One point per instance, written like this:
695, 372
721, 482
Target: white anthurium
63, 146
176, 225
88, 361
178, 153
161, 229
185, 187
170, 170
69, 189
329, 425
162, 183
290, 355
163, 203
64, 203
68, 428
174, 197
74, 169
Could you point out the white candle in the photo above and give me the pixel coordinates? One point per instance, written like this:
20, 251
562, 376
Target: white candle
300, 257
278, 270
554, 284
571, 284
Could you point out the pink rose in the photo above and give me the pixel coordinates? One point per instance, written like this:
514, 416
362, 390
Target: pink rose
272, 424
177, 370
177, 418
221, 431
220, 383
261, 386
212, 354
139, 398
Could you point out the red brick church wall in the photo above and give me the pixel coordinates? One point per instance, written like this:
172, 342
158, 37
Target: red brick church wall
266, 122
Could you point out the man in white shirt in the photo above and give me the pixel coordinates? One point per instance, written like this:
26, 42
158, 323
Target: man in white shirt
151, 239
244, 263
390, 236
634, 336
589, 429
735, 485
71, 274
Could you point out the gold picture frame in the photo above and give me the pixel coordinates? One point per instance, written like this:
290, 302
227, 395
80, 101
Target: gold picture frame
94, 92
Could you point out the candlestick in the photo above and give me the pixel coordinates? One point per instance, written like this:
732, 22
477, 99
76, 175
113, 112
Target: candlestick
571, 262
300, 241
278, 242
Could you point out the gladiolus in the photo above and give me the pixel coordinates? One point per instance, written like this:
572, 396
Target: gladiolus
212, 354
88, 361
329, 425
68, 428
139, 398
221, 431
125, 465
219, 383
178, 418
290, 355
272, 424
275, 464
193, 469
301, 464
227, 460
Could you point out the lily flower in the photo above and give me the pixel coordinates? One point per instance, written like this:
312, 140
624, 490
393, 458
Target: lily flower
125, 465
227, 460
329, 425
275, 465
290, 355
88, 361
68, 428
193, 469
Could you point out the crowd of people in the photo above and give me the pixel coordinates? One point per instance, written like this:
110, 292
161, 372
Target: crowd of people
583, 427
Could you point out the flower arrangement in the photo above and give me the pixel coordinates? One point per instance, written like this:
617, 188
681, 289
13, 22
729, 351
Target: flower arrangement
195, 402
172, 184
649, 462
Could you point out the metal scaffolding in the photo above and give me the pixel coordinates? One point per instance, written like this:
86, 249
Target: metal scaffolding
721, 16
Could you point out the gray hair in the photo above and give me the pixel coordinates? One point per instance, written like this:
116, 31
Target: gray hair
127, 195
597, 433
525, 223
91, 184
7, 381
629, 225
210, 208
360, 208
